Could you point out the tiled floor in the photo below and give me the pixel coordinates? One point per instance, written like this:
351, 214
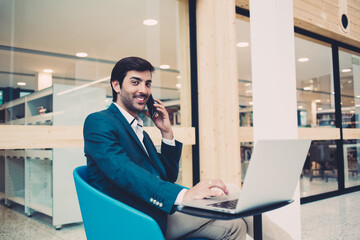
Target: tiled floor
330, 219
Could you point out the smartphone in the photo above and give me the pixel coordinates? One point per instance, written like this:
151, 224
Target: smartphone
150, 105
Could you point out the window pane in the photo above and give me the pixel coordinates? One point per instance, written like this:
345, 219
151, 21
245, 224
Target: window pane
350, 108
245, 89
316, 109
64, 52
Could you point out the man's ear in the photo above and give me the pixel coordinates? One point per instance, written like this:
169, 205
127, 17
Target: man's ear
116, 86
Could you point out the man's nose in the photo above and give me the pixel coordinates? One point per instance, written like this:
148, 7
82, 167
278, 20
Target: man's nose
142, 88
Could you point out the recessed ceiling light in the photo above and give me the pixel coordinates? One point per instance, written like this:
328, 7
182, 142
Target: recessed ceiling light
345, 70
251, 103
21, 83
164, 66
48, 71
178, 85
300, 107
320, 109
303, 59
307, 88
242, 44
150, 22
81, 54
317, 100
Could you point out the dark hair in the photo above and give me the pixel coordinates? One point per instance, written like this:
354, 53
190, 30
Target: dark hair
128, 64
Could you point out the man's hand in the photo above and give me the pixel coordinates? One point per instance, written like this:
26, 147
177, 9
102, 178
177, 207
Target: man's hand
206, 189
162, 120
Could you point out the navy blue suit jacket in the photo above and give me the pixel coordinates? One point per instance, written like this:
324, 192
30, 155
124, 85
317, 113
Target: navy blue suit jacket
119, 166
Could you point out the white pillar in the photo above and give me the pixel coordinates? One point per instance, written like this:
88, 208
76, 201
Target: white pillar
274, 85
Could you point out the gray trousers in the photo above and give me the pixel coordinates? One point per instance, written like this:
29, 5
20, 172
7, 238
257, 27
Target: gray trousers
181, 226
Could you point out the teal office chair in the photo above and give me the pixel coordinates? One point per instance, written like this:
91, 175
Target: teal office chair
107, 218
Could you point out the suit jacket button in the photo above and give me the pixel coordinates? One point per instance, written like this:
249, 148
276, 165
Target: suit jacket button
157, 203
160, 205
151, 199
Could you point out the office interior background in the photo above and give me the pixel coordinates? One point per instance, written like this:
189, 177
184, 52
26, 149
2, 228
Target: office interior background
55, 62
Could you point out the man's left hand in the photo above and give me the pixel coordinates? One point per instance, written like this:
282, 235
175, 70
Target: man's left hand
162, 120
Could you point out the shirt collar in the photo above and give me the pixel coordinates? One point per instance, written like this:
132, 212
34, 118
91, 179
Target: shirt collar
131, 120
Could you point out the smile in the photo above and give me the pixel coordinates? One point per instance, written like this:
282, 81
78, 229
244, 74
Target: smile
140, 99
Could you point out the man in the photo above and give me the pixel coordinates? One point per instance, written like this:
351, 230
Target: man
123, 162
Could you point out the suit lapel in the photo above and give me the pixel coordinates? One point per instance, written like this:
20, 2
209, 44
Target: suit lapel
126, 125
153, 155
151, 151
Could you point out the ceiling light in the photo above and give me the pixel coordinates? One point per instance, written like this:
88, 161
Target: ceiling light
21, 83
345, 70
251, 103
178, 77
48, 71
164, 66
303, 59
242, 44
247, 84
150, 22
300, 107
81, 54
178, 85
320, 109
307, 88
317, 100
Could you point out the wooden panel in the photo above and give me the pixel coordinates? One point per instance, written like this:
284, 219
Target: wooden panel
324, 17
319, 133
27, 137
351, 133
218, 91
246, 133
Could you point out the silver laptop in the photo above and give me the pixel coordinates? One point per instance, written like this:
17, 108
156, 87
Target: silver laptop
272, 176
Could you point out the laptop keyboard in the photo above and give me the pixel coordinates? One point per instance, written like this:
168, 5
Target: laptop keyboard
231, 204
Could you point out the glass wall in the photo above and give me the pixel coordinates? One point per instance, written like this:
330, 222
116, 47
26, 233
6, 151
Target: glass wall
245, 91
316, 109
65, 43
56, 59
350, 107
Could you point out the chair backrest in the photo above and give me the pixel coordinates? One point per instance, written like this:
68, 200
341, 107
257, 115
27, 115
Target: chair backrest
107, 218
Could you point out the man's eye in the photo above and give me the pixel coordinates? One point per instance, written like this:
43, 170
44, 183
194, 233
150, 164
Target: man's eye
148, 84
135, 82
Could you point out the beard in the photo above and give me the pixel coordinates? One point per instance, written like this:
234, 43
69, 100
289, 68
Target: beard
130, 103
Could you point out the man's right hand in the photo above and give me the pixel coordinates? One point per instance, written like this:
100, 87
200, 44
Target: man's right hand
206, 189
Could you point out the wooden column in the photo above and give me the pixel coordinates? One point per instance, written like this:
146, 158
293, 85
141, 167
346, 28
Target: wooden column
218, 91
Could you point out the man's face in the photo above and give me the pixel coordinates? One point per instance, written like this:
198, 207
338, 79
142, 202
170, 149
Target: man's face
135, 91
